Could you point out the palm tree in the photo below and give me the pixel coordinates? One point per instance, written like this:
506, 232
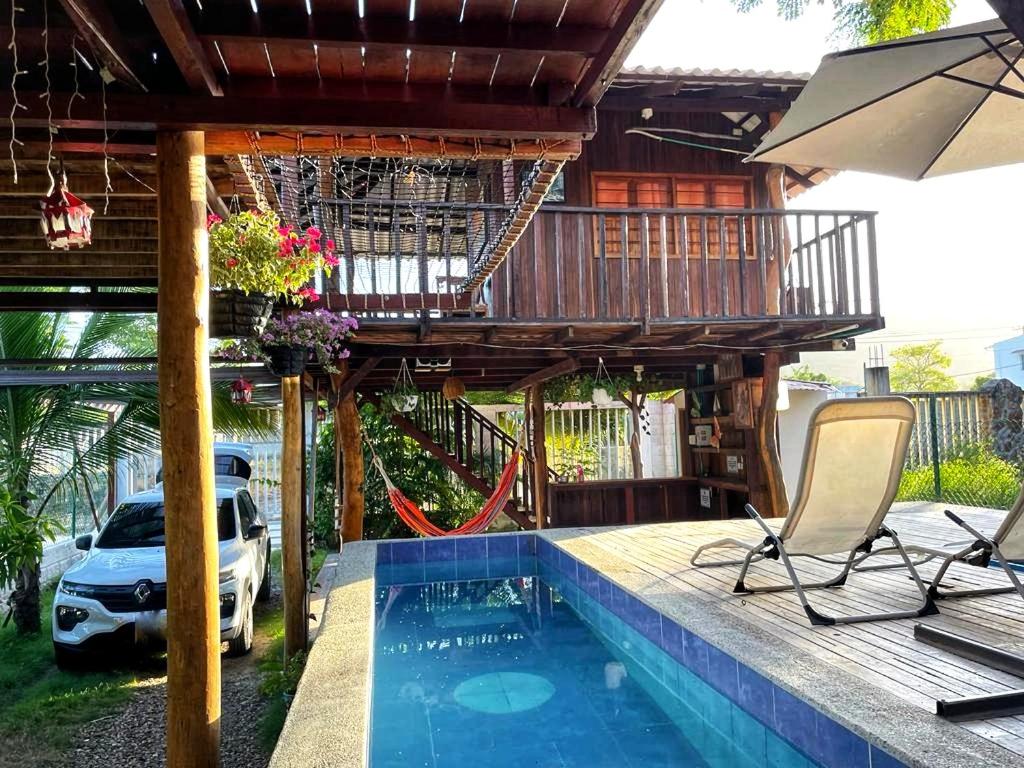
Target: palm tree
48, 434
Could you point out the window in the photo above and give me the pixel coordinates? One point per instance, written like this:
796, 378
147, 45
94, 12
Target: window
674, 191
141, 524
247, 514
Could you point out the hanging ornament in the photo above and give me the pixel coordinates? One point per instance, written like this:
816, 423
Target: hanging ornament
321, 413
601, 394
66, 219
453, 388
241, 391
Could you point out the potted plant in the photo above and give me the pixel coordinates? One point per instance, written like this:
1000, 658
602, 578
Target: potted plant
404, 396
287, 342
255, 261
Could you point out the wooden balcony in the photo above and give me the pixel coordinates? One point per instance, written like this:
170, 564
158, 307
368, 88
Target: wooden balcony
662, 265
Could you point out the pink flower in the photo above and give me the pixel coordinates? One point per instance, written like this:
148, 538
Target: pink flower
313, 233
309, 294
329, 245
212, 219
331, 260
232, 262
314, 246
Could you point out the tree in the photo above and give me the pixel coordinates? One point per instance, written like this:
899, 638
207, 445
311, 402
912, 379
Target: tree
871, 21
980, 381
921, 368
48, 434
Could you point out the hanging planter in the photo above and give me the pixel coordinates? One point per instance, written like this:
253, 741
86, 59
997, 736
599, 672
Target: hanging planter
601, 395
404, 397
286, 359
66, 219
235, 314
255, 261
241, 391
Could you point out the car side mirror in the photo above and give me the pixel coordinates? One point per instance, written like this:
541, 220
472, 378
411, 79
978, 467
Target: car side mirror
255, 531
84, 543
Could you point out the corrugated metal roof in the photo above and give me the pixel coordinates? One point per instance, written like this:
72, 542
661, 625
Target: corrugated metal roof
698, 74
813, 386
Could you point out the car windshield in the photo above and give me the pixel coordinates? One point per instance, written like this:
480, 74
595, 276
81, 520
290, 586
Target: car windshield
141, 524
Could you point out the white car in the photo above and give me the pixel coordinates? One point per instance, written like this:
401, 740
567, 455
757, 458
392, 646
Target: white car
117, 594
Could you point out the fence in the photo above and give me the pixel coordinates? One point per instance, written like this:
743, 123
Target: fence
950, 458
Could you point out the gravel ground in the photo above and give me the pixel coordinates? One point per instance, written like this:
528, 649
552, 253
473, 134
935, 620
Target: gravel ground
135, 737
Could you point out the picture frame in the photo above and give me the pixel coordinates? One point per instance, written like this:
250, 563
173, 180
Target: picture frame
742, 405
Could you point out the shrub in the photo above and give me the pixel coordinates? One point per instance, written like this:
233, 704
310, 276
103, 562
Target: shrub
972, 476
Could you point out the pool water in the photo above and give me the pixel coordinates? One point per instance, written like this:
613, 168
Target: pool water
504, 672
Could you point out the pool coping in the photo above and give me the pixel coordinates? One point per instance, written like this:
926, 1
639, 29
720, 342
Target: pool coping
328, 724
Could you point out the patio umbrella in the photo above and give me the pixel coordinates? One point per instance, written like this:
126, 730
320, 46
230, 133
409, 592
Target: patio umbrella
917, 107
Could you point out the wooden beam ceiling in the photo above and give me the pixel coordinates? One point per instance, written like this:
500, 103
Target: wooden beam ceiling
95, 22
175, 28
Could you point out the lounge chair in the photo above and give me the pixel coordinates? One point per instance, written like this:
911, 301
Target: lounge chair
852, 463
1006, 545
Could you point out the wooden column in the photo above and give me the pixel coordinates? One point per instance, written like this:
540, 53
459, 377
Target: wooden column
535, 396
349, 439
295, 621
186, 422
774, 501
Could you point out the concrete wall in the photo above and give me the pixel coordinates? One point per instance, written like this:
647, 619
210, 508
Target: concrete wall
1009, 359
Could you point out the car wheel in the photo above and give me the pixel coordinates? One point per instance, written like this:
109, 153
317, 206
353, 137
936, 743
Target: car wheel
241, 644
264, 594
66, 660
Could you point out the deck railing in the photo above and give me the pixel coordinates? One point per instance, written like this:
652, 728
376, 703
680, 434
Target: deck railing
657, 263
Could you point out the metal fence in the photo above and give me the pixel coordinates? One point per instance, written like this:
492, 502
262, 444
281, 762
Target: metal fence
951, 458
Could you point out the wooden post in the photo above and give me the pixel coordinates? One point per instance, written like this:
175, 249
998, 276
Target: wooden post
186, 422
540, 454
348, 435
295, 622
776, 503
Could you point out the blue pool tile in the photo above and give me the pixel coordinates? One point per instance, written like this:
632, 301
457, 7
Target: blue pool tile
750, 735
502, 547
545, 552
695, 654
838, 747
439, 549
527, 544
646, 620
439, 570
471, 548
882, 759
407, 551
722, 672
795, 720
589, 581
384, 553
672, 639
755, 694
782, 755
468, 570
605, 592
619, 602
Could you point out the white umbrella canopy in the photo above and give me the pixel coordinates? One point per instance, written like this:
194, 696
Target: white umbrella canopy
914, 108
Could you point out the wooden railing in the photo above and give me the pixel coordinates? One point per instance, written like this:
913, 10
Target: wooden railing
638, 264
474, 442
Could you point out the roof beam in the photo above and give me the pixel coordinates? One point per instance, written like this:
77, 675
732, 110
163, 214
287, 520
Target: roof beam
568, 365
602, 69
355, 378
334, 30
174, 26
95, 22
629, 102
289, 113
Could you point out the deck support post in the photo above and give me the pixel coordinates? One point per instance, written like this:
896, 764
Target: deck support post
296, 624
348, 446
186, 422
774, 503
535, 397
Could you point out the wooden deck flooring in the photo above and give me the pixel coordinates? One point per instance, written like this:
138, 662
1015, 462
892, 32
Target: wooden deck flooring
884, 653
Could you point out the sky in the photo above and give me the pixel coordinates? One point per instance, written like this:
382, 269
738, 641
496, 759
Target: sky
949, 251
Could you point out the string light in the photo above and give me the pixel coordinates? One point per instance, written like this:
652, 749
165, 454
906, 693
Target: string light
15, 105
45, 64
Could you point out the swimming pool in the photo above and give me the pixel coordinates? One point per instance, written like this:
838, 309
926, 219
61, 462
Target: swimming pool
509, 656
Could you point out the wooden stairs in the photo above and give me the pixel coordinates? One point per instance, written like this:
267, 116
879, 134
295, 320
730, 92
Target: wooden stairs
471, 446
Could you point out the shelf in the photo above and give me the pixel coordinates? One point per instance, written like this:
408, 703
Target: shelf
721, 482
723, 451
709, 388
722, 420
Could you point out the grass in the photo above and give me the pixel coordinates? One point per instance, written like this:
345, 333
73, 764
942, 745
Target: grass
975, 477
43, 706
271, 625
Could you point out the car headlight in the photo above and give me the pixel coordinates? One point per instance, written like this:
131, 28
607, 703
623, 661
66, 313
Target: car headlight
78, 590
227, 575
68, 617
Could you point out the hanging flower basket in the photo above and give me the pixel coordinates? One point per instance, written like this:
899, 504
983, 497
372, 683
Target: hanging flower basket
404, 397
600, 394
235, 314
286, 359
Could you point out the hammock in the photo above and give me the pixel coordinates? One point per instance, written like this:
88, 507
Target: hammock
413, 516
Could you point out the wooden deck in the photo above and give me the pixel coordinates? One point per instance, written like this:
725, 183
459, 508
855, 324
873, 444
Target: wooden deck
883, 654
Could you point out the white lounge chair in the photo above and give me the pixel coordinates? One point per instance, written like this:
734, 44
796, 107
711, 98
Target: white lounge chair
852, 463
1006, 545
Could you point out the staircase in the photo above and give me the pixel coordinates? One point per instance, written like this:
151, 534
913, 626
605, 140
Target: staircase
473, 447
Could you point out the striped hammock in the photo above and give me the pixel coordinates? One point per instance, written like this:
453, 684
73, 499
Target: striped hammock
413, 516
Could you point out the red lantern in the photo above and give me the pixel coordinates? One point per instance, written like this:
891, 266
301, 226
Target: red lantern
241, 391
66, 219
321, 413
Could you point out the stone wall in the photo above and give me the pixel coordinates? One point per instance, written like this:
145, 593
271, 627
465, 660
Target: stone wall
1007, 419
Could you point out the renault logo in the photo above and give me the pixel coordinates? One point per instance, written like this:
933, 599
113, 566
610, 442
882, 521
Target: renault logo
142, 592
